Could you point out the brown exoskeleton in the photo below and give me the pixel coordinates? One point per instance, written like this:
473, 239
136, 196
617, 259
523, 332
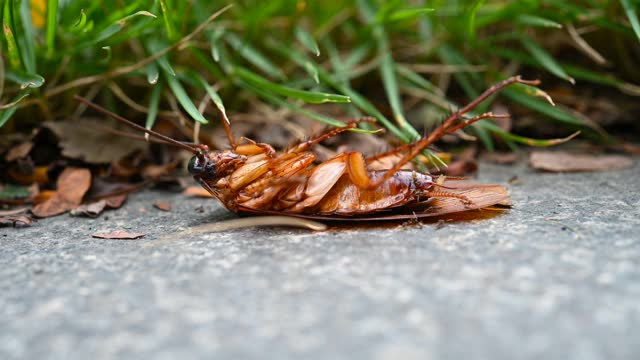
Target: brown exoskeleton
254, 178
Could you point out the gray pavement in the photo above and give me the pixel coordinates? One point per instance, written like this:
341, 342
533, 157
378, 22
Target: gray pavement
557, 277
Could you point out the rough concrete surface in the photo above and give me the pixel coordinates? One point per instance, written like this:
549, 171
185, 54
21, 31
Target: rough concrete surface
557, 277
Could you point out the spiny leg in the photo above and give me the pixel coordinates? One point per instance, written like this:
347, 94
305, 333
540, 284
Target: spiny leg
254, 148
443, 194
407, 147
331, 133
446, 127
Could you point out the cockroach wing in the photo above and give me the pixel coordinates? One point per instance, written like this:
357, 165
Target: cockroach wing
321, 180
247, 173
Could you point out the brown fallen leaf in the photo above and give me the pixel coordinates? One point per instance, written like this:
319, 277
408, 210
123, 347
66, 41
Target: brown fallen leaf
91, 210
85, 140
115, 201
560, 161
19, 151
118, 235
72, 184
16, 221
96, 208
162, 205
196, 191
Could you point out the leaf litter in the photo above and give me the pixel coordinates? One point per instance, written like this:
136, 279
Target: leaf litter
118, 235
562, 161
162, 205
71, 187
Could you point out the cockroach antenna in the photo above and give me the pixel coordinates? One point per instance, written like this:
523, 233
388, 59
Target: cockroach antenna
197, 150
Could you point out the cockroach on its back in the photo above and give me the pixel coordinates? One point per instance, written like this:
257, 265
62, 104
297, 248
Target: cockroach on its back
253, 178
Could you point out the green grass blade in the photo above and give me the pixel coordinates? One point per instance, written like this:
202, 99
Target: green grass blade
254, 56
481, 132
471, 18
300, 110
466, 80
183, 98
542, 107
537, 21
168, 24
81, 24
214, 40
27, 38
9, 34
312, 70
152, 73
115, 28
6, 114
25, 80
406, 14
154, 46
526, 140
545, 59
154, 102
390, 83
307, 40
52, 22
217, 100
306, 96
632, 16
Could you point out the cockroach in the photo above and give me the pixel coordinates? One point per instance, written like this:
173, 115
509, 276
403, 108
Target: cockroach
253, 178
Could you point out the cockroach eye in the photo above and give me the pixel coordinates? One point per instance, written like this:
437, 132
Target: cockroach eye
196, 165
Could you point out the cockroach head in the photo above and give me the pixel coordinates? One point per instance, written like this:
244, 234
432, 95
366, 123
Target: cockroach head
200, 164
213, 165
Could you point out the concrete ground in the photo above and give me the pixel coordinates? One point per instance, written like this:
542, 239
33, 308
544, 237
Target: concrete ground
556, 277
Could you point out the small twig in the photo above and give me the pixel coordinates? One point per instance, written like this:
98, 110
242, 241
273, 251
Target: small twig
584, 46
13, 212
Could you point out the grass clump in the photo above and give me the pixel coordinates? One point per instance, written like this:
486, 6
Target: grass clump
153, 55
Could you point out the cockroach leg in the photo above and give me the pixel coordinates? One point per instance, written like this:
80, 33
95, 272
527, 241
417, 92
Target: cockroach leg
254, 148
331, 133
443, 194
450, 124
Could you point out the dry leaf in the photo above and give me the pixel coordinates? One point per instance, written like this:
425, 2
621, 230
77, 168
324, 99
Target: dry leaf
96, 208
72, 184
118, 235
85, 141
91, 210
16, 221
196, 191
115, 201
19, 151
162, 205
560, 161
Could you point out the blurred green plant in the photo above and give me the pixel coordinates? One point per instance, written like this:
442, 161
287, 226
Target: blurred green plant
154, 54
